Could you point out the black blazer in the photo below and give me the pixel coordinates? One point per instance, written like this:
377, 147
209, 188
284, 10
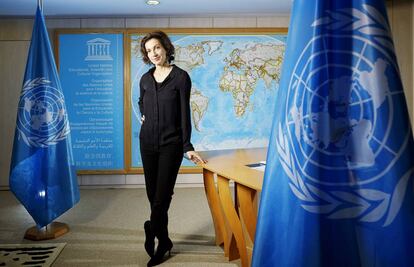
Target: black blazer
166, 107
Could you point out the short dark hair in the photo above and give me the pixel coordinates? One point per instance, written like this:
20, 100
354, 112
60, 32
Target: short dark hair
165, 42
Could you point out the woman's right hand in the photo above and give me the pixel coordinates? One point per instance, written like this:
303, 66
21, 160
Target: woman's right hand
142, 119
195, 157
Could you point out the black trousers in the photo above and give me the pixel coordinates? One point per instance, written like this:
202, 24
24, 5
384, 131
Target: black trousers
160, 171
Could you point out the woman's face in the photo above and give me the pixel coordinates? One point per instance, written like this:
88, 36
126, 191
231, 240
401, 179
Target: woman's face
156, 52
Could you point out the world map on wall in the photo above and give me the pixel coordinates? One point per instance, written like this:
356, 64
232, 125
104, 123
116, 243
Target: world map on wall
235, 79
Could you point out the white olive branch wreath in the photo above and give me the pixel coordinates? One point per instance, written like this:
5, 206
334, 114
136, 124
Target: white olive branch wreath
363, 204
367, 205
36, 141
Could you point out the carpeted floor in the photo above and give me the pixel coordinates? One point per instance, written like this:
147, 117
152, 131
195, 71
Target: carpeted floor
106, 229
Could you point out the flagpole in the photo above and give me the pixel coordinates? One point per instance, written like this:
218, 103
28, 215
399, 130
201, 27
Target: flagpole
40, 4
52, 229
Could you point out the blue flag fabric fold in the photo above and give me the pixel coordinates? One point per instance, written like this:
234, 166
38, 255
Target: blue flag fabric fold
42, 173
338, 186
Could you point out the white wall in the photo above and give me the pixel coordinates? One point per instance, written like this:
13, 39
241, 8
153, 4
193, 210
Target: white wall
15, 36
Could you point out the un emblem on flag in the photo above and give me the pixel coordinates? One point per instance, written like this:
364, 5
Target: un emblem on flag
338, 138
42, 118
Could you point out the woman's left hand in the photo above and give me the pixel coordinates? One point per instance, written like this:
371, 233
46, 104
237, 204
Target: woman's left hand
195, 157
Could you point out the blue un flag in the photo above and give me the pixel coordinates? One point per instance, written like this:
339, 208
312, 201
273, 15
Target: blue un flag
338, 187
42, 174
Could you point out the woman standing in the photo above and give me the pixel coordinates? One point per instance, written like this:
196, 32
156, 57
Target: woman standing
164, 104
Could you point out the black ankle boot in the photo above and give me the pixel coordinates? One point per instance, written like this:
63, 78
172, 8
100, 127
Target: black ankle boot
163, 247
149, 239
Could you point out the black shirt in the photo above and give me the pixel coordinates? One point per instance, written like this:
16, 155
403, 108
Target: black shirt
166, 107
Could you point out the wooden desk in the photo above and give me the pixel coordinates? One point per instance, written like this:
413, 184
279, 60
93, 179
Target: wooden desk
234, 218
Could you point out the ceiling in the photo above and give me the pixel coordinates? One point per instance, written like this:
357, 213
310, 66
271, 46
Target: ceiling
80, 8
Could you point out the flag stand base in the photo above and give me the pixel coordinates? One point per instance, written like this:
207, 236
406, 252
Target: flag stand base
51, 231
